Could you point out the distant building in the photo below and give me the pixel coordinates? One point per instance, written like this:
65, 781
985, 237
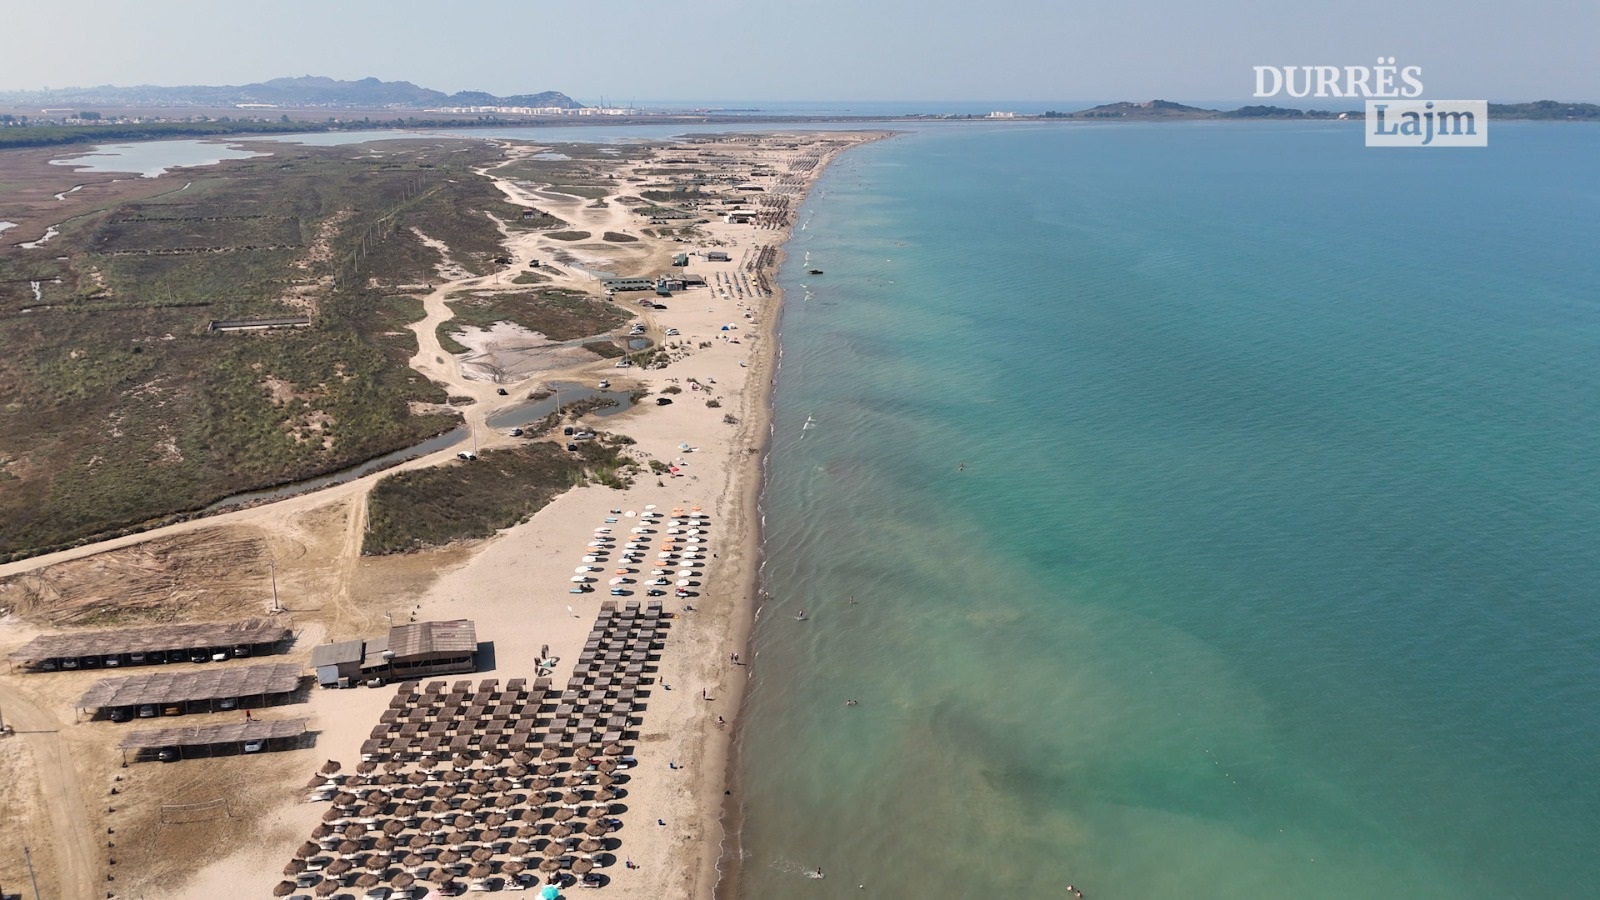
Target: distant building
717, 256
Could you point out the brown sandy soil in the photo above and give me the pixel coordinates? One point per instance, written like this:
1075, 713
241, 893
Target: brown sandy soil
514, 586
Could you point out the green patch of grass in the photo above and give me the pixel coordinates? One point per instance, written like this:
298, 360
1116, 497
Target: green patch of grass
470, 500
556, 313
617, 237
607, 349
568, 235
530, 278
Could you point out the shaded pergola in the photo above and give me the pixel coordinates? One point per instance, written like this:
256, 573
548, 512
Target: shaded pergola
281, 732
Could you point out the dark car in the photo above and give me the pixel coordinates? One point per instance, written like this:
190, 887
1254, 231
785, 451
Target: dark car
568, 430
120, 714
501, 391
571, 446
663, 401
167, 754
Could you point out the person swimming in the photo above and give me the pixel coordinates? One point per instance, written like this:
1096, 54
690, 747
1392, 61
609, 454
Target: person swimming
800, 616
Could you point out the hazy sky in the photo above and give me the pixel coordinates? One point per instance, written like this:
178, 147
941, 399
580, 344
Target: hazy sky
814, 50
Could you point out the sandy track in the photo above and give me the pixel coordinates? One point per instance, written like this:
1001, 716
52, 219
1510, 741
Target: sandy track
77, 874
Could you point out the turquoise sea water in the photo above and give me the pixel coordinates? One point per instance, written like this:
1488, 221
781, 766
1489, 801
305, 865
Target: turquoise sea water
1273, 569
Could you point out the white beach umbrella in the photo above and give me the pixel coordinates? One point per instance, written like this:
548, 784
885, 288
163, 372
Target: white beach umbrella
602, 531
684, 573
617, 581
630, 513
591, 558
582, 569
579, 579
639, 529
649, 506
683, 582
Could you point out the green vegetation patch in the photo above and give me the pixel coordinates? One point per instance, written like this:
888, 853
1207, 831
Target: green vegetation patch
469, 500
568, 235
556, 313
617, 237
119, 407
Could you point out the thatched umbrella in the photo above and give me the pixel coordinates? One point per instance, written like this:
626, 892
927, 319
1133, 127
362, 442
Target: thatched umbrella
572, 798
366, 767
417, 778
441, 876
555, 849
584, 752
549, 753
493, 759
344, 798
307, 850
512, 868
518, 848
482, 855
354, 831
414, 861
478, 790
377, 862
419, 841
481, 870
605, 795
393, 765
346, 848
461, 761
371, 811
550, 865
327, 888
368, 880
463, 822
599, 811
403, 880
414, 794
506, 801
453, 776
472, 804
613, 749
483, 776
404, 811
445, 792
606, 780
590, 845
439, 808
330, 767
561, 831
606, 766
597, 828
295, 867
563, 814
517, 771
339, 867
284, 889
582, 866
317, 781
459, 837
449, 857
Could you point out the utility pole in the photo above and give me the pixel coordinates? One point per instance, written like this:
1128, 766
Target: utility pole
273, 565
28, 859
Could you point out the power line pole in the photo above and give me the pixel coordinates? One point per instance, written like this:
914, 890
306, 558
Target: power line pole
28, 859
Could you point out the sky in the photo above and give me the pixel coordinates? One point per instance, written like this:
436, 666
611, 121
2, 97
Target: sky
769, 50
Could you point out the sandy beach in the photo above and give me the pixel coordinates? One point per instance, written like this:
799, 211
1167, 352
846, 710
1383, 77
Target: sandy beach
719, 344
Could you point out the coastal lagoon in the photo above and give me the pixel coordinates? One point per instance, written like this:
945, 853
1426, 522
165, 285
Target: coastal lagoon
1218, 502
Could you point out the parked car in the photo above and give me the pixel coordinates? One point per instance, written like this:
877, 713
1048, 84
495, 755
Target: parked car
241, 652
467, 455
136, 659
156, 656
663, 401
219, 656
91, 662
198, 656
173, 711
569, 430
228, 703
516, 432
673, 332
501, 391
255, 746
583, 436
120, 714
167, 754
571, 446
49, 665
113, 662
147, 711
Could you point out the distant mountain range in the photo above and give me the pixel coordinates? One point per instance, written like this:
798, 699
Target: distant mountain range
1166, 109
302, 92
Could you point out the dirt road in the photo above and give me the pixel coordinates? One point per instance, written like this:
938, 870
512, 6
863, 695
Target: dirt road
77, 869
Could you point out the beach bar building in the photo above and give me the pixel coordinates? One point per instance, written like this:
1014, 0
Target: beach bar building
624, 285
413, 650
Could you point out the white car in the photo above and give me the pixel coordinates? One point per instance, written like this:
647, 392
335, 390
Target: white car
467, 455
672, 332
255, 746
